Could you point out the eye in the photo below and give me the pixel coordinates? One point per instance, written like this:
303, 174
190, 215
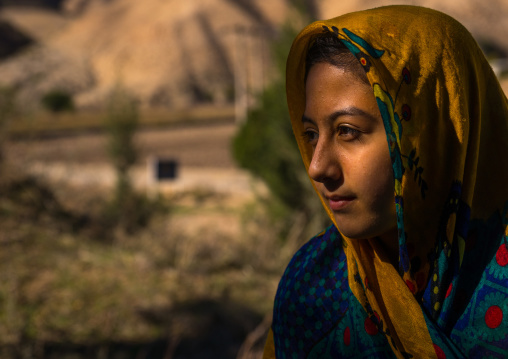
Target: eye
310, 137
348, 133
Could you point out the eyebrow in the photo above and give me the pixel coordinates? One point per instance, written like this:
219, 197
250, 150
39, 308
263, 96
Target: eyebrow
348, 111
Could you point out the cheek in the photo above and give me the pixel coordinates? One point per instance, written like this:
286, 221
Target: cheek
379, 177
386, 186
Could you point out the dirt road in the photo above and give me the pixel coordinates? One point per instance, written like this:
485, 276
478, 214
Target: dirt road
192, 146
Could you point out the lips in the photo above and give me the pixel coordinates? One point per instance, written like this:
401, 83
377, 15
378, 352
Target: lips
338, 203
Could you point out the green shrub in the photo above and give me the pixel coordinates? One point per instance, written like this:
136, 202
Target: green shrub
57, 101
121, 123
265, 144
7, 112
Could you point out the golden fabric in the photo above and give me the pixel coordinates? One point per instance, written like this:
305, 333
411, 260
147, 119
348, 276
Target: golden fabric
269, 350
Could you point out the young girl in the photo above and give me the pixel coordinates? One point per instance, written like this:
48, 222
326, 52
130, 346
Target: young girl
403, 129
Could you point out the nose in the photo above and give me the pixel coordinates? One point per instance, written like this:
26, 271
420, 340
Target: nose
324, 165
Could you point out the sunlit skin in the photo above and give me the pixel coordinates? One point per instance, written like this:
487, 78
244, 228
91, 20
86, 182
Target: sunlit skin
350, 164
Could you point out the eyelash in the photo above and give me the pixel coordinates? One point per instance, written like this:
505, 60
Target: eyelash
311, 136
308, 136
349, 131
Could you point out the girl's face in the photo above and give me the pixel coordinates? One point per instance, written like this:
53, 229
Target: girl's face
350, 164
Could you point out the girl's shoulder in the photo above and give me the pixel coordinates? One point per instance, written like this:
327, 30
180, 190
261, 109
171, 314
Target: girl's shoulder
313, 295
322, 254
327, 242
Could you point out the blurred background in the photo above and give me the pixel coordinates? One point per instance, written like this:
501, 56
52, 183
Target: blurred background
151, 192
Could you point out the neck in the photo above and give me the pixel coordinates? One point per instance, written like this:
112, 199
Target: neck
389, 244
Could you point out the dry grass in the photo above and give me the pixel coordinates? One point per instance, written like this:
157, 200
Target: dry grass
210, 264
41, 123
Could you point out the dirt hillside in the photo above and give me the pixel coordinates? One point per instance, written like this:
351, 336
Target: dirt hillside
172, 53
178, 53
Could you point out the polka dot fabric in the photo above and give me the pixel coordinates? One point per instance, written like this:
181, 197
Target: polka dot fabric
475, 307
317, 316
482, 329
315, 312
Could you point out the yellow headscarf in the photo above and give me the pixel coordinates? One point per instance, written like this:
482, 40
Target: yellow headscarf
446, 117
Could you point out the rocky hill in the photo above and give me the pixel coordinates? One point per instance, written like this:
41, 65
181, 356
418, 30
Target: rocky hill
175, 53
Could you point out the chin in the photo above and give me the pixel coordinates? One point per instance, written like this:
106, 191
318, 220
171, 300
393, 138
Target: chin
355, 235
357, 232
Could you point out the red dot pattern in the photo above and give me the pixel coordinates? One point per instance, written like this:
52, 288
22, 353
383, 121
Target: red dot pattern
439, 352
411, 286
371, 327
493, 317
449, 290
502, 255
347, 336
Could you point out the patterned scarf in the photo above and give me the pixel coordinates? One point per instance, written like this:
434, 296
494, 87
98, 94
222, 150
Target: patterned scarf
446, 121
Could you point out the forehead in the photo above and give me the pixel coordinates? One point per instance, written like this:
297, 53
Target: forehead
329, 88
